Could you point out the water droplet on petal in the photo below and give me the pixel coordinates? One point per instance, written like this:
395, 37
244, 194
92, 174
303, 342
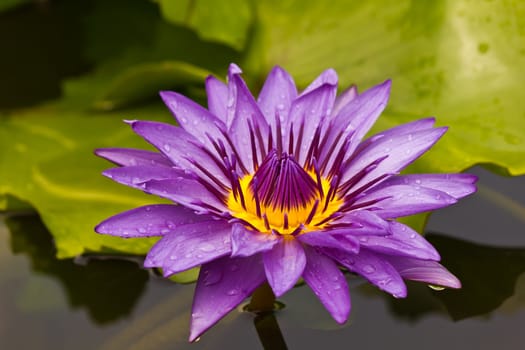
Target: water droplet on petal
232, 292
173, 257
207, 247
148, 208
234, 267
434, 287
230, 102
280, 106
412, 235
166, 147
418, 181
369, 269
141, 230
410, 137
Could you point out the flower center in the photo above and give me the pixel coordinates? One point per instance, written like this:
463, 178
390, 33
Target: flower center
283, 197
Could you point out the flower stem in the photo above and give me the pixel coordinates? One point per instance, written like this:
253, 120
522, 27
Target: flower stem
263, 299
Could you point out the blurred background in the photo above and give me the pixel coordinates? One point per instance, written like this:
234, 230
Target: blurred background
72, 71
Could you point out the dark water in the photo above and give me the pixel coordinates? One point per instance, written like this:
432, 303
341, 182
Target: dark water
112, 304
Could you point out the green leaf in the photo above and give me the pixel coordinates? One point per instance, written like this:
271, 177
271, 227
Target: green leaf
225, 22
461, 61
143, 81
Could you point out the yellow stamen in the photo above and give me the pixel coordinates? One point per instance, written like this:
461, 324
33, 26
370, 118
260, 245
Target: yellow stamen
276, 217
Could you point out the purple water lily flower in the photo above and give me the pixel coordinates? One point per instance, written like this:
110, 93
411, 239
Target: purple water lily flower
280, 188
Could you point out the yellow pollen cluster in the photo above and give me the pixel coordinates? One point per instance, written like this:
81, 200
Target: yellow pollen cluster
275, 217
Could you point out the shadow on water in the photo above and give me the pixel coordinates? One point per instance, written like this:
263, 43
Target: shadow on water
108, 289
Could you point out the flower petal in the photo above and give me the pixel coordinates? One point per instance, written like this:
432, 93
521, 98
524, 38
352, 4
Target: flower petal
403, 241
455, 185
217, 93
284, 265
402, 200
189, 246
327, 240
425, 271
247, 121
353, 122
187, 192
306, 114
329, 76
222, 285
328, 283
374, 268
150, 220
181, 148
246, 242
193, 118
131, 157
136, 176
343, 99
277, 95
399, 149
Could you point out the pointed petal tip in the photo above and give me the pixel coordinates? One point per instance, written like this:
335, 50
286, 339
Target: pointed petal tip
234, 69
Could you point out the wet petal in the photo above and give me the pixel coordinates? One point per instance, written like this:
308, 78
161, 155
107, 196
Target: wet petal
187, 192
136, 176
222, 285
217, 93
399, 149
344, 98
306, 114
403, 200
455, 185
247, 121
193, 118
430, 272
355, 119
181, 148
374, 268
246, 242
329, 76
189, 246
328, 283
150, 220
277, 95
327, 240
132, 157
284, 265
402, 241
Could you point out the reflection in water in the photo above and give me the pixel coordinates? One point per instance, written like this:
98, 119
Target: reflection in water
107, 288
269, 331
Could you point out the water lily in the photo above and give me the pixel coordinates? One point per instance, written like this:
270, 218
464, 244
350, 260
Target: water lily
282, 187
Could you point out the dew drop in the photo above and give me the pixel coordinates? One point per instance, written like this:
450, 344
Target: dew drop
230, 102
280, 106
418, 181
369, 269
207, 247
188, 255
164, 231
232, 292
363, 239
410, 137
166, 147
173, 257
234, 267
438, 196
125, 233
437, 288
148, 208
211, 278
183, 120
337, 287
141, 230
413, 235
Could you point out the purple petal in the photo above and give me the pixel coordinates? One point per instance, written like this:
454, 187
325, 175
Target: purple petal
455, 185
413, 126
354, 119
403, 200
328, 283
277, 95
246, 242
365, 219
187, 192
150, 220
189, 246
329, 76
325, 239
217, 93
132, 157
222, 285
284, 265
306, 113
180, 147
402, 241
430, 272
193, 118
136, 176
246, 121
400, 149
374, 268
343, 99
